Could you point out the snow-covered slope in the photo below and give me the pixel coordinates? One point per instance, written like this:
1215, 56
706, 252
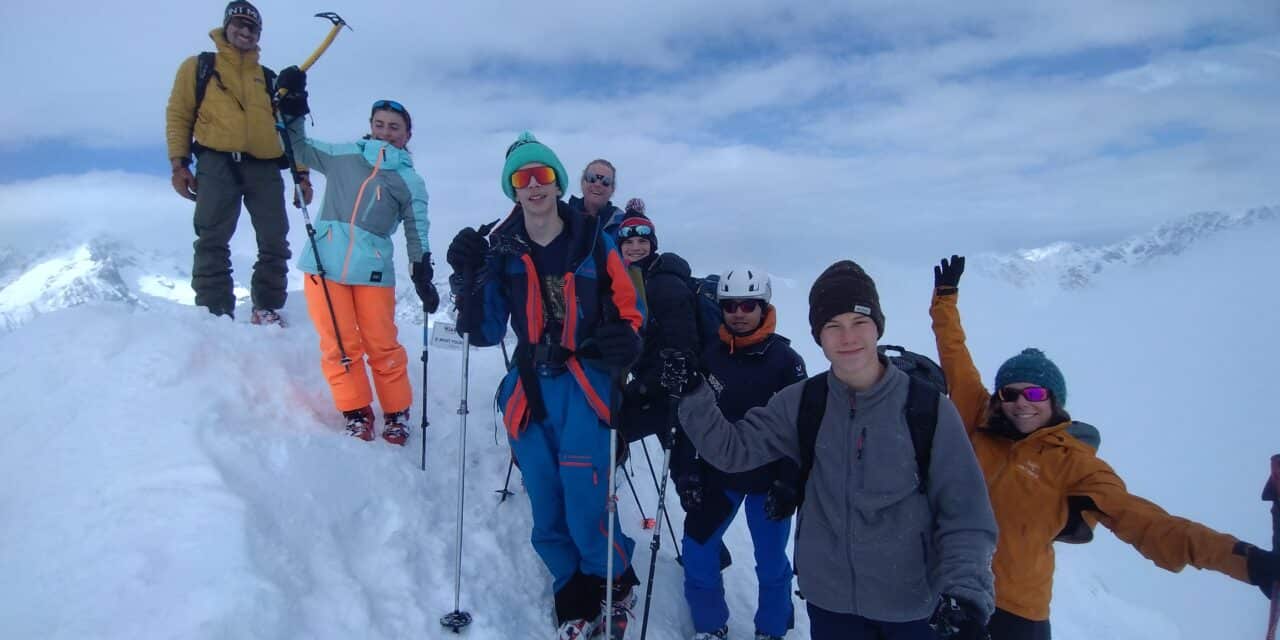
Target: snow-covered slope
174, 475
1072, 266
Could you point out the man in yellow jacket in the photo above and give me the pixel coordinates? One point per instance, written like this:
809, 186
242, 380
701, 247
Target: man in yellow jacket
231, 132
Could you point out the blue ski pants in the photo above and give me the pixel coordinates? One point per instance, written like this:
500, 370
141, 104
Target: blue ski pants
565, 463
704, 587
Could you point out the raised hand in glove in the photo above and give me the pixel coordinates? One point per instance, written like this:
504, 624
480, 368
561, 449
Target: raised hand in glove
422, 275
946, 276
678, 374
690, 488
1263, 566
780, 502
958, 619
618, 343
467, 249
294, 82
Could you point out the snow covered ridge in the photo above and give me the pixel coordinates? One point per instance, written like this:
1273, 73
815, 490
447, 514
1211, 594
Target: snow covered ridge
1074, 266
99, 270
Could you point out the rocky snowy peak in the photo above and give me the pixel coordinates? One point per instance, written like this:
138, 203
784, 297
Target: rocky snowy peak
1073, 266
94, 271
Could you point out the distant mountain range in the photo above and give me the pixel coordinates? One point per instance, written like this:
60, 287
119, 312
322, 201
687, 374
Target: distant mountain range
103, 269
1074, 266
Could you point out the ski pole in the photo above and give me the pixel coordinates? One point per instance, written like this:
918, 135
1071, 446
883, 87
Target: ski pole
458, 619
426, 340
674, 366
645, 522
665, 514
511, 462
1271, 493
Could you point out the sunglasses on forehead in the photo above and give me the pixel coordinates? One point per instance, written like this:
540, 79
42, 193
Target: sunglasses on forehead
1032, 394
593, 178
635, 231
739, 306
543, 174
390, 104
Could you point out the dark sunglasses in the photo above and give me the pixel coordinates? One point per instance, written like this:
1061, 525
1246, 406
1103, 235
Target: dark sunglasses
390, 104
1032, 394
635, 231
593, 178
246, 24
736, 306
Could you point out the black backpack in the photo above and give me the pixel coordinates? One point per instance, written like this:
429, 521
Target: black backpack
921, 411
706, 309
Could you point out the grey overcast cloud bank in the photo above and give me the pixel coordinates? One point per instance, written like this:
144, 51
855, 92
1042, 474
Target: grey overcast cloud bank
871, 127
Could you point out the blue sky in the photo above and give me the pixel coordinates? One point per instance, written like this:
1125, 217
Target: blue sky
1002, 124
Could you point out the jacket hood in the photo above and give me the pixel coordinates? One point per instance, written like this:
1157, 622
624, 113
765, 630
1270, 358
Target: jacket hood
394, 158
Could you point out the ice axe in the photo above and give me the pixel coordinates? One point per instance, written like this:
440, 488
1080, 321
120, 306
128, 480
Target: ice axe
299, 201
1271, 493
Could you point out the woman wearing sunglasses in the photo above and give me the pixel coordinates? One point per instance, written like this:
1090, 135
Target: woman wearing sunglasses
1035, 468
749, 364
371, 187
599, 180
563, 288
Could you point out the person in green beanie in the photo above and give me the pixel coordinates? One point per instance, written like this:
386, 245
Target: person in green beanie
1038, 472
563, 287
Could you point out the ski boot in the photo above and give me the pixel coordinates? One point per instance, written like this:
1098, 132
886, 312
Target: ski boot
360, 423
579, 629
396, 427
613, 626
267, 317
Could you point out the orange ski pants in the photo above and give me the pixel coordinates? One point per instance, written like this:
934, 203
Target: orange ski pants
367, 321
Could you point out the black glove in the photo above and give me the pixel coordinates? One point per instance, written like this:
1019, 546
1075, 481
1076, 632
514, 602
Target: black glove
1264, 568
468, 249
618, 344
946, 275
422, 275
780, 502
958, 619
294, 102
690, 488
678, 375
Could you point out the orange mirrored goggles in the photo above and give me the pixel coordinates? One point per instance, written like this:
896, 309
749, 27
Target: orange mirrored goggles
544, 175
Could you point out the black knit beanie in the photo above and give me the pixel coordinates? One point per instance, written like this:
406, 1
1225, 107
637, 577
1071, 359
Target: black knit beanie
842, 288
241, 9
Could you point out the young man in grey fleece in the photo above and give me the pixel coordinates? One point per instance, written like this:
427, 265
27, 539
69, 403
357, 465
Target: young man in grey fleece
877, 557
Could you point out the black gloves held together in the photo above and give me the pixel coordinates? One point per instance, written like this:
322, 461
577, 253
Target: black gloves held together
678, 374
690, 488
618, 343
958, 619
294, 82
467, 249
422, 276
780, 502
946, 276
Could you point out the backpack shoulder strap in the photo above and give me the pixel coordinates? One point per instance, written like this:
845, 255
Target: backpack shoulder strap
204, 71
922, 421
813, 406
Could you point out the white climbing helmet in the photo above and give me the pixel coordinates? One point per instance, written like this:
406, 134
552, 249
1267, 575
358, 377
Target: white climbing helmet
744, 283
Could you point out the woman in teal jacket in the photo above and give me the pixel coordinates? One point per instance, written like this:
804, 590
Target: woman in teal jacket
371, 187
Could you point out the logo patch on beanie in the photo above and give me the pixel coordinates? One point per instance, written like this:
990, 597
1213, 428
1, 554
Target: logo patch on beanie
863, 309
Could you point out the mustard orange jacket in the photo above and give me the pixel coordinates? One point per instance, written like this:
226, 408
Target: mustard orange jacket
1029, 481
236, 112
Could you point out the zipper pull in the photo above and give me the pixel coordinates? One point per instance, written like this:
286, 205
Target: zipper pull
862, 440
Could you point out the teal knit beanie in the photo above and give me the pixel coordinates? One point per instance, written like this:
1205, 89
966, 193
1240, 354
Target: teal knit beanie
1034, 367
527, 149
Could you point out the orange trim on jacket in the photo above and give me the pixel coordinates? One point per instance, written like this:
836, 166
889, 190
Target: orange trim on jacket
355, 209
1029, 481
767, 327
624, 297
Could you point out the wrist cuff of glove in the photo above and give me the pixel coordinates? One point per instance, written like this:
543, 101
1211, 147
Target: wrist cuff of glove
945, 290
